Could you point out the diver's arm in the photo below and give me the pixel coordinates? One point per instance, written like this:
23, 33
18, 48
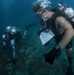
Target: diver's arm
3, 37
69, 32
29, 26
24, 34
12, 42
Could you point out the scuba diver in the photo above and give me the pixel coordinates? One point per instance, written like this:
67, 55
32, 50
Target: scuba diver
10, 39
60, 20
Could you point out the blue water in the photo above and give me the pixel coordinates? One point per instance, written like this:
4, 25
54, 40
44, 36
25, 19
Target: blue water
19, 13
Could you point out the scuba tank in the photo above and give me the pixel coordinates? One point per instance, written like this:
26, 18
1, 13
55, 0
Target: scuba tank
66, 10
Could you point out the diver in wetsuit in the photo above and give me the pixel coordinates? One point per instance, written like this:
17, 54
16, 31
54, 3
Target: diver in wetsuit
61, 26
10, 39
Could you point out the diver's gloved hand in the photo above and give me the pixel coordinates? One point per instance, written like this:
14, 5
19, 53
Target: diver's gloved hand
42, 22
55, 52
39, 32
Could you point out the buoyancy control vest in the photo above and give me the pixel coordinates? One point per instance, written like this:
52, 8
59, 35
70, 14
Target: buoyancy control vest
66, 11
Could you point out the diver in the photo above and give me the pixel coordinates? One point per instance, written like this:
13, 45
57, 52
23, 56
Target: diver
11, 37
60, 20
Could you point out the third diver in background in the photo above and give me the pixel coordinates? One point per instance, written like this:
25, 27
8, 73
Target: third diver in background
11, 37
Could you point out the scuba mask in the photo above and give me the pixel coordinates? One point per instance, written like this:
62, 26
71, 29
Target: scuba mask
41, 6
43, 15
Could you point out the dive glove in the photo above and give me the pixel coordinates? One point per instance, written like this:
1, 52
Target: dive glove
41, 30
55, 52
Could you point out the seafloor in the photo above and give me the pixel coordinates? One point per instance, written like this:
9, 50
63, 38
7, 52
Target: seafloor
30, 59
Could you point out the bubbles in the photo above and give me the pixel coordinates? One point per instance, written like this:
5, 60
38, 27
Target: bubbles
43, 3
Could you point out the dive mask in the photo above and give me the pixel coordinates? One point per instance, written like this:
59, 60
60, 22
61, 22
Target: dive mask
44, 16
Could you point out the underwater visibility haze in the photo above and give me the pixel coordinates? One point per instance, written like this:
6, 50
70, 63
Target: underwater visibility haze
29, 53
